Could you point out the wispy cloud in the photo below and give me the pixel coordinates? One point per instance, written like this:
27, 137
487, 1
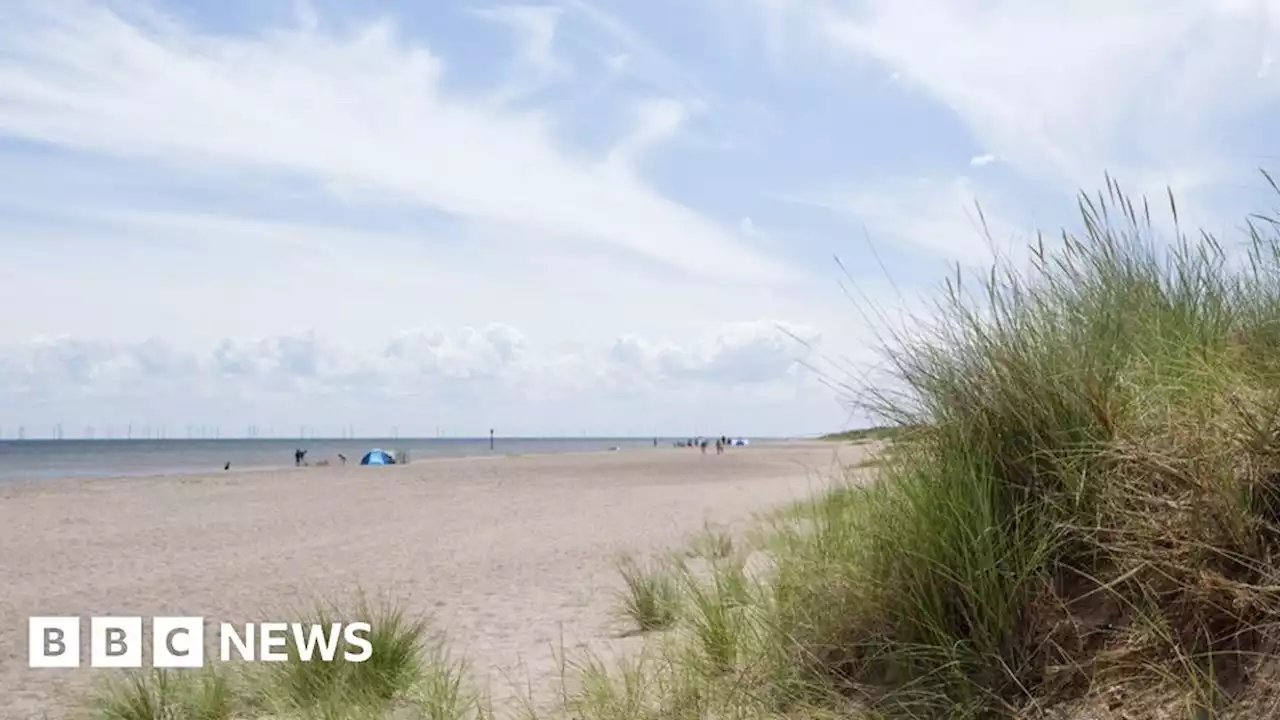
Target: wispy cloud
536, 29
947, 219
365, 111
1064, 91
510, 203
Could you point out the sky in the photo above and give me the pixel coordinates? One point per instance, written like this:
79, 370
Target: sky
576, 216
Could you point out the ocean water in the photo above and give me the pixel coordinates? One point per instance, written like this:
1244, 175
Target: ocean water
24, 460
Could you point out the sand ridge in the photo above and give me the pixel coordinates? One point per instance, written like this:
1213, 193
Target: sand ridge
510, 556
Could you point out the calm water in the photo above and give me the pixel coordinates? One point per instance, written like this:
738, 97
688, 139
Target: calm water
37, 459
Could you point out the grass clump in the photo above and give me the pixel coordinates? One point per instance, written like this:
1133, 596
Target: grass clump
650, 599
398, 660
716, 607
1087, 504
161, 693
409, 673
713, 543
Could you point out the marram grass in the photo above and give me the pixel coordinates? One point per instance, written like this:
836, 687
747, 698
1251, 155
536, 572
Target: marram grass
1084, 515
1085, 512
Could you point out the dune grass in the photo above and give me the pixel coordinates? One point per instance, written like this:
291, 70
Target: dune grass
713, 543
650, 598
410, 674
1085, 513
204, 695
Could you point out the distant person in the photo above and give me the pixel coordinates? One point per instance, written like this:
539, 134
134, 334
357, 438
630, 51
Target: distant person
704, 447
719, 446
342, 458
655, 442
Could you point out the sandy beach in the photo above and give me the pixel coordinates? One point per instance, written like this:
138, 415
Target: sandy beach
508, 555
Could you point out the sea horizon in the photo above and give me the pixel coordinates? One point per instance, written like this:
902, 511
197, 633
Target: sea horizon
31, 459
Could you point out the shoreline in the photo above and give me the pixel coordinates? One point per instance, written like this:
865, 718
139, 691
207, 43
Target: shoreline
505, 557
355, 464
48, 476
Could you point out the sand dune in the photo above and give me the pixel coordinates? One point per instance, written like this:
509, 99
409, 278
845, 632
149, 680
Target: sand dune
508, 554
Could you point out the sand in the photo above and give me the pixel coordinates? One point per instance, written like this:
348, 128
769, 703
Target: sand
508, 555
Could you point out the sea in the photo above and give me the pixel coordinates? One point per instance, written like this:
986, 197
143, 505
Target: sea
25, 460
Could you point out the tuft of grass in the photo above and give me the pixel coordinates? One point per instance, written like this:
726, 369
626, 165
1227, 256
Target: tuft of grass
444, 691
650, 599
165, 695
713, 543
716, 609
399, 659
410, 674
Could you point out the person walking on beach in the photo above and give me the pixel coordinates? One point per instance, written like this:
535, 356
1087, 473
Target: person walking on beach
704, 447
719, 446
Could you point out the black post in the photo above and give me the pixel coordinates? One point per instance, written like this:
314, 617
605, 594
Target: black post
490, 438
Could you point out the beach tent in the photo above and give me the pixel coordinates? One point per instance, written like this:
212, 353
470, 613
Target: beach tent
378, 456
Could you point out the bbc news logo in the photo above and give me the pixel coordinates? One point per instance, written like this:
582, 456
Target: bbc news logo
178, 642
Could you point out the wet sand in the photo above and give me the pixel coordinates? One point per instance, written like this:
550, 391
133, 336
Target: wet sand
509, 555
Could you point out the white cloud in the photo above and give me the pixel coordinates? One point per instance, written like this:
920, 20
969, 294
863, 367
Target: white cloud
462, 373
981, 160
744, 352
948, 219
641, 57
656, 120
1065, 91
364, 112
536, 26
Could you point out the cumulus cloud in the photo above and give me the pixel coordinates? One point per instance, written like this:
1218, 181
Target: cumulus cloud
748, 352
466, 354
463, 369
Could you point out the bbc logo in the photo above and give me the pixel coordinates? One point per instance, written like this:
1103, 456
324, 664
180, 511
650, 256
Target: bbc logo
115, 642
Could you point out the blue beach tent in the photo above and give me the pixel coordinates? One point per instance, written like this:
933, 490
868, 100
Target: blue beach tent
377, 456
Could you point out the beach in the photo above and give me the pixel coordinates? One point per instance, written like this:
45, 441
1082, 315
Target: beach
510, 556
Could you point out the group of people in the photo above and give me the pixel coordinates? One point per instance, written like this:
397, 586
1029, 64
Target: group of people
721, 443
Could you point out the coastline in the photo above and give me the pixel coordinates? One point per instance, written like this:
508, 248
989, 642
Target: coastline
508, 554
354, 464
42, 461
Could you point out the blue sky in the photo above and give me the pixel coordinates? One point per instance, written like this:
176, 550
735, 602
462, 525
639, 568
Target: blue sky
564, 216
